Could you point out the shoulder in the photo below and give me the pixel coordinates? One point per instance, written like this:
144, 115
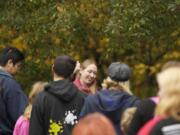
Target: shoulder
146, 104
166, 125
10, 82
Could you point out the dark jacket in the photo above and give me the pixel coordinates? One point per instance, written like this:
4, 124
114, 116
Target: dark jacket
111, 103
12, 102
144, 113
167, 126
56, 110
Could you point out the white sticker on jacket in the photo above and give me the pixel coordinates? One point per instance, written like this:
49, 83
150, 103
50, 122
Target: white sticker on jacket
70, 117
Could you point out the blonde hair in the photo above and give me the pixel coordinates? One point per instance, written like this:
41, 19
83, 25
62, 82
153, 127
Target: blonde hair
108, 83
87, 62
169, 84
126, 118
36, 88
169, 105
169, 80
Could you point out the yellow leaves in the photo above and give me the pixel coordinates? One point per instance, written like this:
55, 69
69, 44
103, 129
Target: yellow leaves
154, 69
56, 40
49, 61
65, 31
140, 68
60, 9
37, 61
29, 58
178, 42
86, 8
77, 57
104, 42
175, 33
19, 43
2, 46
5, 32
92, 43
172, 55
99, 50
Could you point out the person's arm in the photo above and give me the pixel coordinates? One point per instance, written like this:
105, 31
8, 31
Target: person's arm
16, 100
36, 121
86, 109
136, 123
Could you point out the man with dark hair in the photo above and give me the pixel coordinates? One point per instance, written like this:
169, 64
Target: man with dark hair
56, 109
12, 99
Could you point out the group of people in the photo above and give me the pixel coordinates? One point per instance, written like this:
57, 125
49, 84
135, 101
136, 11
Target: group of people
73, 104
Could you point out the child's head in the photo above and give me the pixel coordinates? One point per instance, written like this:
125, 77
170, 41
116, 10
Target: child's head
168, 80
36, 89
169, 92
126, 118
94, 124
118, 77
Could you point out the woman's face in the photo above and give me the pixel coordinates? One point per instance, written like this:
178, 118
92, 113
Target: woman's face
88, 75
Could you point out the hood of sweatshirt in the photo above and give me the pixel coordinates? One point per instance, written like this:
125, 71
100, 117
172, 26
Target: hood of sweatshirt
62, 89
112, 103
111, 100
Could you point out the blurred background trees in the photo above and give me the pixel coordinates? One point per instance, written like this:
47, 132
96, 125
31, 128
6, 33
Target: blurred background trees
142, 33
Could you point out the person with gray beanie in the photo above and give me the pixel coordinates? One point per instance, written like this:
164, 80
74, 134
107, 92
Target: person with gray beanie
114, 97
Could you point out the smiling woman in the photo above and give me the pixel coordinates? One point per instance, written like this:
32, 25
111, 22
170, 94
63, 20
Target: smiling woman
86, 81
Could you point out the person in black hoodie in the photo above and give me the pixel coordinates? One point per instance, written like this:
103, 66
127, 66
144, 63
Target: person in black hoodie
55, 110
115, 96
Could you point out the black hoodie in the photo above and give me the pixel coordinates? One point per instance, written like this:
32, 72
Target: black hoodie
56, 109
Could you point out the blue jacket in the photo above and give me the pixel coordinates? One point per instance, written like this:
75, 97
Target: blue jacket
111, 103
12, 102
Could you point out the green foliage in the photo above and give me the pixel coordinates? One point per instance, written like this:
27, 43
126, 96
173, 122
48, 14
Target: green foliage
143, 34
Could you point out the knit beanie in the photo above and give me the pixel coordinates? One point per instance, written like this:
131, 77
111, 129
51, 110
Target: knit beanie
119, 72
